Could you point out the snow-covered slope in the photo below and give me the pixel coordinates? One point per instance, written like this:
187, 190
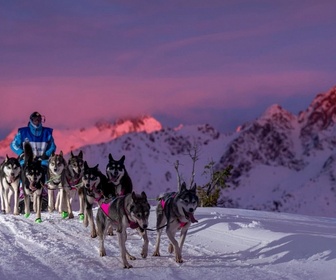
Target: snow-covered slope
225, 244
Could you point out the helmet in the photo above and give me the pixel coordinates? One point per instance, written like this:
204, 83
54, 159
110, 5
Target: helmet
35, 115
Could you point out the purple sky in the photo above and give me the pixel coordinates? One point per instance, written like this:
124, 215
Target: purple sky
191, 62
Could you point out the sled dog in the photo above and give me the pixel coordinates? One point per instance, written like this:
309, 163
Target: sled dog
57, 182
117, 175
176, 211
33, 179
10, 175
74, 175
96, 190
131, 210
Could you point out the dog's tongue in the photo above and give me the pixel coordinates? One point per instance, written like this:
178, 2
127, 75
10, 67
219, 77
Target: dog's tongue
192, 218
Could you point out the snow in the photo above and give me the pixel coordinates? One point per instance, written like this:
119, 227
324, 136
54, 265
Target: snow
224, 244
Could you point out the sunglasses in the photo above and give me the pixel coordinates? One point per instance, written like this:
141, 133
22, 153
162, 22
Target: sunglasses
38, 119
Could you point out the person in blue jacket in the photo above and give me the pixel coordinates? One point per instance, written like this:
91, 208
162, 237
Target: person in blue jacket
39, 137
43, 145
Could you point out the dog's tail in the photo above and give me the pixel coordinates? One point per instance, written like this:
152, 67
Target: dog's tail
28, 152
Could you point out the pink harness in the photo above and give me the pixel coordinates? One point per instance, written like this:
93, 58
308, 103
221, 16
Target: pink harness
105, 207
163, 203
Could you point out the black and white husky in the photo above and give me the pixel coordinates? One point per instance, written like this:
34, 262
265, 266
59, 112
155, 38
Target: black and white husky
118, 176
175, 211
57, 182
131, 210
96, 190
33, 180
10, 175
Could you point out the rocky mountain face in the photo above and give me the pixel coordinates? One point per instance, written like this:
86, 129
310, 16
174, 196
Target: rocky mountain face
294, 156
281, 162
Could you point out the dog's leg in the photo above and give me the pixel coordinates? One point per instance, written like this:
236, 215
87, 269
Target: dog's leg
2, 197
58, 202
34, 202
101, 231
160, 221
184, 232
81, 201
174, 246
144, 251
67, 195
91, 220
16, 199
38, 199
7, 196
27, 205
122, 246
51, 204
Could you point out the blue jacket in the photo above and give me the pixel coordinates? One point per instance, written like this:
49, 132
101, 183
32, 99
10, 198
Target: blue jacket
40, 139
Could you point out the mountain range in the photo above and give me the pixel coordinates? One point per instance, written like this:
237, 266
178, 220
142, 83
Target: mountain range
281, 161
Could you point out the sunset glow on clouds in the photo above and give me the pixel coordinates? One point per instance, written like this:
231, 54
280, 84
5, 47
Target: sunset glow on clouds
190, 62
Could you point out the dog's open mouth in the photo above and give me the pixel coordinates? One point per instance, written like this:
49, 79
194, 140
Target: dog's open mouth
113, 178
190, 216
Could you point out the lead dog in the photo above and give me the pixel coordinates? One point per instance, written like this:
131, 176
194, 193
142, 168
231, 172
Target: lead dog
122, 212
33, 180
175, 211
10, 172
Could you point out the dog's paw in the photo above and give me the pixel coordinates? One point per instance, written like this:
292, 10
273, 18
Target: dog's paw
156, 254
81, 216
38, 220
179, 260
127, 265
71, 216
27, 215
144, 255
102, 253
93, 235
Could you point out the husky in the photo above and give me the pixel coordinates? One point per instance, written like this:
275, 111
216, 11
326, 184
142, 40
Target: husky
10, 175
117, 175
57, 182
74, 175
175, 211
96, 190
33, 180
131, 210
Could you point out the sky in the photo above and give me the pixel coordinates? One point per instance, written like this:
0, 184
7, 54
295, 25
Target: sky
182, 62
225, 244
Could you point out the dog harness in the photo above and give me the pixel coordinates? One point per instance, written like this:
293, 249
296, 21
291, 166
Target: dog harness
163, 203
105, 207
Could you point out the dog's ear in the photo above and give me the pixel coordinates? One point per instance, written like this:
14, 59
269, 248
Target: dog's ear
71, 153
122, 159
61, 153
85, 165
183, 186
193, 189
143, 195
110, 157
80, 155
134, 196
7, 158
